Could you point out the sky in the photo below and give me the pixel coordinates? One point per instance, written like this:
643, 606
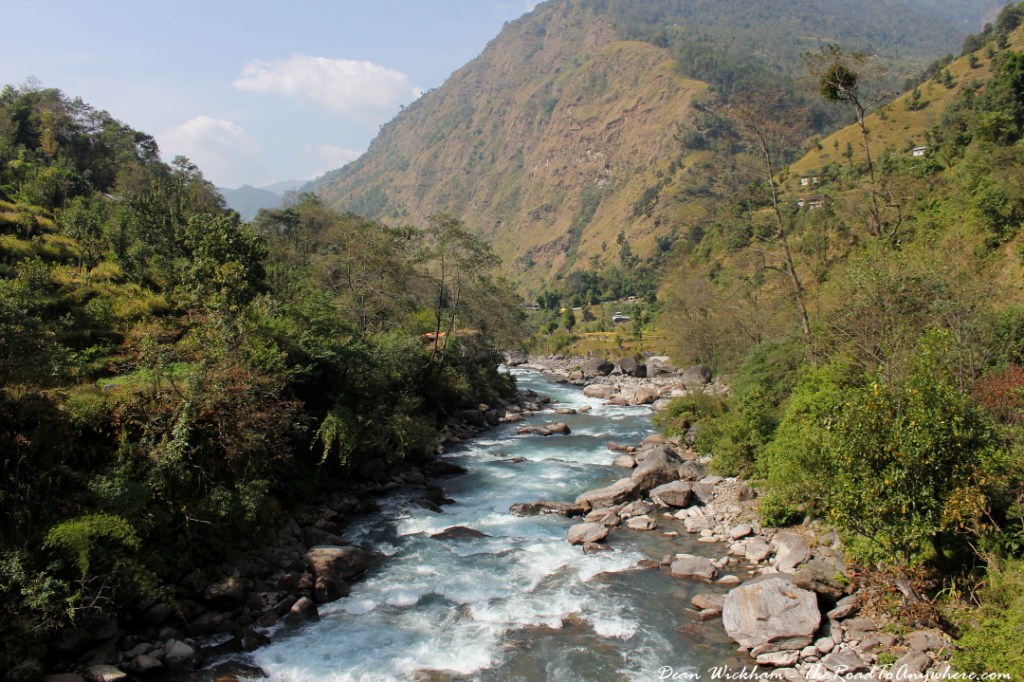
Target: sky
253, 92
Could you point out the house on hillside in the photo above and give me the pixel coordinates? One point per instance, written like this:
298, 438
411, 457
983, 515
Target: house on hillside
809, 179
920, 151
817, 201
618, 318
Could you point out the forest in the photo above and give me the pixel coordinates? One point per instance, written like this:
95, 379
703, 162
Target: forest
171, 378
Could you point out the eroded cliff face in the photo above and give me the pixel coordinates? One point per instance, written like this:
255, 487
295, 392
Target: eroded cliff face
544, 143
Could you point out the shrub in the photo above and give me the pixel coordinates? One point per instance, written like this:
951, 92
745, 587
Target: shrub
990, 639
908, 462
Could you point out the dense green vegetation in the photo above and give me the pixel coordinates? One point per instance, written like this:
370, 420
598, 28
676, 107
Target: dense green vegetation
898, 418
171, 378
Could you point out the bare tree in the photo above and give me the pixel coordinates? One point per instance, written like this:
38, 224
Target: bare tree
774, 127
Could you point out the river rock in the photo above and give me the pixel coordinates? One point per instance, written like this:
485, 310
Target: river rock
756, 549
845, 662
230, 590
338, 563
327, 589
772, 615
778, 659
546, 507
660, 466
587, 533
792, 549
602, 391
706, 601
303, 609
629, 366
661, 404
105, 673
691, 471
144, 665
179, 655
675, 494
596, 367
858, 628
697, 375
913, 663
845, 607
623, 490
636, 508
819, 576
459, 533
643, 522
641, 396
624, 462
689, 566
740, 530
559, 428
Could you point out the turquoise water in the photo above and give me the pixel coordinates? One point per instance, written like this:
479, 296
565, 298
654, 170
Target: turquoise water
521, 603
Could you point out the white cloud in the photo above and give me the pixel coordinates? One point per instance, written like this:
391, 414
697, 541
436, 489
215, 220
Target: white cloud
362, 90
224, 152
336, 155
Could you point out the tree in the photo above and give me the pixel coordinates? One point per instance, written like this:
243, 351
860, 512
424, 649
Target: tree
458, 263
841, 80
774, 129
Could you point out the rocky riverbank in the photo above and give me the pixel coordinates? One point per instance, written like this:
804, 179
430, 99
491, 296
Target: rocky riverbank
625, 381
300, 566
792, 603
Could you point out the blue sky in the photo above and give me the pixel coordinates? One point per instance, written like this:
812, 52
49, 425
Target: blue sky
253, 92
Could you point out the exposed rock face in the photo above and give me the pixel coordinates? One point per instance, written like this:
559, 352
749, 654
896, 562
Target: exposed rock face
771, 615
586, 533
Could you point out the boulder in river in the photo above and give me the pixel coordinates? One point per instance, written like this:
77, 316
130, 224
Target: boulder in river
602, 391
459, 533
546, 507
660, 466
622, 490
771, 615
587, 533
338, 563
689, 566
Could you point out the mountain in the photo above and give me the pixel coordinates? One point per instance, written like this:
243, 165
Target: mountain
248, 200
569, 133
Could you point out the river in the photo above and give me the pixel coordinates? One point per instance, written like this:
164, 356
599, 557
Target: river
520, 603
